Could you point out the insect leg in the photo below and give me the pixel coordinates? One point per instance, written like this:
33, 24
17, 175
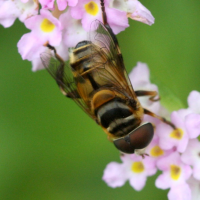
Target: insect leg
160, 118
60, 75
104, 17
62, 62
152, 94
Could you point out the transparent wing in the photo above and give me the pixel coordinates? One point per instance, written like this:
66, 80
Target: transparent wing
104, 38
63, 74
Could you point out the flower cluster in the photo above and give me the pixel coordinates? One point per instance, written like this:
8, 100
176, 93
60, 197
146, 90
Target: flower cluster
176, 153
64, 23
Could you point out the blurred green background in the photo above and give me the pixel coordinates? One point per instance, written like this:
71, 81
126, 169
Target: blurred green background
49, 148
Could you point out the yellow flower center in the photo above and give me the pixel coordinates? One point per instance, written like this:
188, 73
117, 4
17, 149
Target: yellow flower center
47, 26
175, 172
91, 8
156, 151
137, 167
177, 134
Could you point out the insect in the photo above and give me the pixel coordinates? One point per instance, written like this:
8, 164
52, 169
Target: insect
96, 79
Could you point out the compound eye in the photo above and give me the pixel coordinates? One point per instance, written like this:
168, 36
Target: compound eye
137, 139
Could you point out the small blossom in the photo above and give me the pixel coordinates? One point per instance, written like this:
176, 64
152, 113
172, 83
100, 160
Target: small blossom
11, 10
174, 171
115, 174
87, 11
62, 4
46, 54
117, 20
169, 137
192, 124
180, 192
47, 4
73, 31
30, 47
194, 187
191, 156
45, 28
194, 101
155, 151
134, 9
134, 168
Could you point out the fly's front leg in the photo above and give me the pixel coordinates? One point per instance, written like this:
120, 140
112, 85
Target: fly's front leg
160, 118
152, 94
104, 17
60, 74
105, 22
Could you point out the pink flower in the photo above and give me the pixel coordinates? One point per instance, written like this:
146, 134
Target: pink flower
191, 156
47, 4
115, 174
73, 30
194, 187
134, 168
37, 64
169, 137
194, 101
11, 10
192, 120
175, 172
88, 11
62, 4
191, 115
155, 151
44, 28
134, 9
180, 192
30, 47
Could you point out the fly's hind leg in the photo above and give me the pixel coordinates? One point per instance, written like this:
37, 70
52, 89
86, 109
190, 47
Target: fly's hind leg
60, 75
152, 94
147, 112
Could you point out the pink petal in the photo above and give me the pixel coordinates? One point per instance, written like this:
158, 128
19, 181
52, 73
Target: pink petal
141, 13
140, 74
8, 13
47, 4
194, 101
78, 11
180, 192
192, 123
72, 2
30, 47
37, 64
162, 181
195, 188
179, 123
139, 182
117, 20
114, 175
62, 4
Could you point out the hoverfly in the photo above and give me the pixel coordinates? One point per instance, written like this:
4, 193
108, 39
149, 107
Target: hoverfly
99, 84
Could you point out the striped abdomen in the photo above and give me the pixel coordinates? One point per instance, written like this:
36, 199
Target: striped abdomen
117, 118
